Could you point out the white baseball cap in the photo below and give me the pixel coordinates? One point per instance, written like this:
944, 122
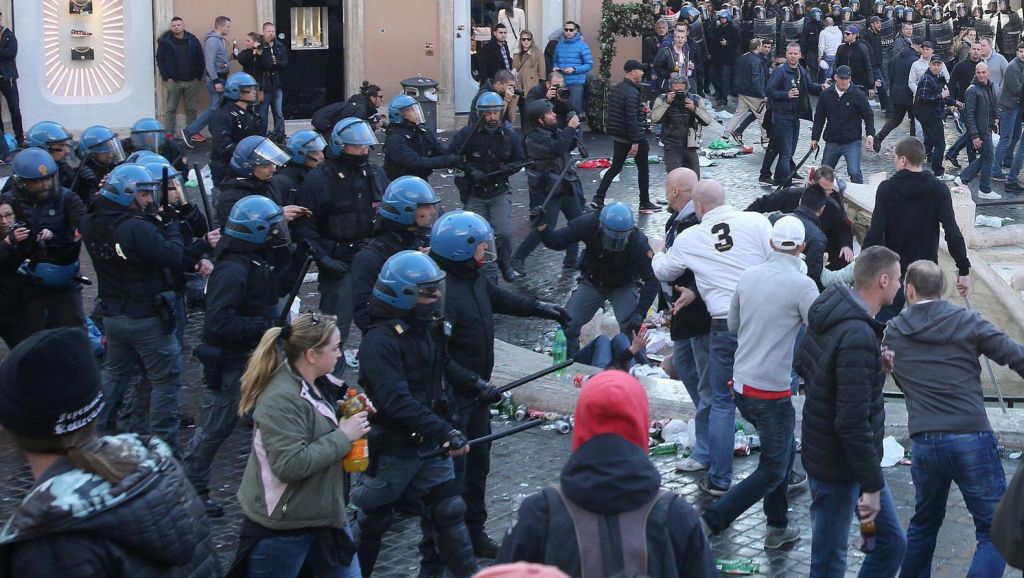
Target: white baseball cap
788, 233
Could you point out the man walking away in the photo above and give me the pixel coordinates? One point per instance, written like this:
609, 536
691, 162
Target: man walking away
935, 346
179, 57
844, 420
218, 64
751, 79
845, 107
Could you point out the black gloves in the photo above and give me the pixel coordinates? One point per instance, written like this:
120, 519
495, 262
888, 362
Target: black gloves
487, 393
86, 174
553, 312
456, 440
476, 174
538, 216
454, 161
333, 267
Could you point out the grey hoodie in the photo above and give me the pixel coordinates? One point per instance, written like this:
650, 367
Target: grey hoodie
218, 58
937, 345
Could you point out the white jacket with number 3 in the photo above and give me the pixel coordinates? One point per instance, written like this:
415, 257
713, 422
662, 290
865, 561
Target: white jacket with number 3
718, 250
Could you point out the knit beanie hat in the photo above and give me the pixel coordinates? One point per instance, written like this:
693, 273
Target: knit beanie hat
50, 384
521, 570
612, 402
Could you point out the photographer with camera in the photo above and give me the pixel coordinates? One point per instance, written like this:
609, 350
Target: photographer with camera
682, 120
557, 93
503, 85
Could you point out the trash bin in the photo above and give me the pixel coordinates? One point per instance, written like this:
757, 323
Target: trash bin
424, 90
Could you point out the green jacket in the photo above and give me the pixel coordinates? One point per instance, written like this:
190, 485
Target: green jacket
294, 478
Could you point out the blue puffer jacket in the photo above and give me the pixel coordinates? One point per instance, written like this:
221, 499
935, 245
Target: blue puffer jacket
573, 54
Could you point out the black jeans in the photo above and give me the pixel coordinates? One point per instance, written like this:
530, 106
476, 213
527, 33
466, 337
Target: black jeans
9, 88
934, 137
643, 170
899, 112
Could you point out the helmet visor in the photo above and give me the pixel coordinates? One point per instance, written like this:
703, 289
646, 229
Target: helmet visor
430, 299
110, 147
268, 153
614, 240
359, 134
315, 145
414, 114
279, 235
485, 251
150, 140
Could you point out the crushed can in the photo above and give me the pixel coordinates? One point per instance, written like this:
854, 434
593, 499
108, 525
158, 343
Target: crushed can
534, 413
579, 379
741, 446
562, 426
521, 412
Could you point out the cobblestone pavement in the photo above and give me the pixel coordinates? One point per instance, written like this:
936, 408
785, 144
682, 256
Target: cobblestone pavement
528, 461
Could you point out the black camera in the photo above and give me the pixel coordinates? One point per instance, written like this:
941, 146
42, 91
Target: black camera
18, 225
561, 92
518, 93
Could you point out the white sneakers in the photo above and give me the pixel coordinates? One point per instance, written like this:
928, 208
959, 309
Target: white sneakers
989, 196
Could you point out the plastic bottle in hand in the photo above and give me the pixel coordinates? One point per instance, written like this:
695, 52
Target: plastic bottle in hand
559, 348
358, 458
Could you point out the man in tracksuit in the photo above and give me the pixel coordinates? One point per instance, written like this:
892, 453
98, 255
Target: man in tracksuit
844, 106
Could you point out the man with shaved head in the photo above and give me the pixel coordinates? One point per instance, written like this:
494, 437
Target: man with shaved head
935, 347
718, 250
690, 324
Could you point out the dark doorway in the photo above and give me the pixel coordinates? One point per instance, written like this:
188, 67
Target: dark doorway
313, 30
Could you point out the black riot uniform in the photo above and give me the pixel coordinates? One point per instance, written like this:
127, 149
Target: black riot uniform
287, 181
413, 150
235, 188
90, 173
389, 238
229, 124
340, 193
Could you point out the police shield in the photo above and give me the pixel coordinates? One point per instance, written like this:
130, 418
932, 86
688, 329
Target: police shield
1011, 31
765, 28
887, 35
860, 24
941, 35
697, 36
921, 28
791, 32
984, 28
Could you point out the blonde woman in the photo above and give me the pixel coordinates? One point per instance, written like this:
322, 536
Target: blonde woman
292, 491
528, 64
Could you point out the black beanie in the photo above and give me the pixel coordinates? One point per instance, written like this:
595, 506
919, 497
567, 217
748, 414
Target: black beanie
50, 384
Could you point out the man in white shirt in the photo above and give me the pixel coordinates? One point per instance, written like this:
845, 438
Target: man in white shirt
997, 64
919, 67
725, 244
829, 40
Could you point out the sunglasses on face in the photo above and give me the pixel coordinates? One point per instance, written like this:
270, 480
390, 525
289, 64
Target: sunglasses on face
569, 29
527, 39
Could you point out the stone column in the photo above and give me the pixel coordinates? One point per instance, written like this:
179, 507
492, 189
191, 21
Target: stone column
163, 11
446, 48
355, 33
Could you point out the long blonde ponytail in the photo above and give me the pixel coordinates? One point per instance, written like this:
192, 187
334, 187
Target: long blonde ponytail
263, 362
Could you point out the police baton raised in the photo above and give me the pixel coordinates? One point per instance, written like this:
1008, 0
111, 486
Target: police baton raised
988, 364
439, 452
207, 206
476, 126
296, 287
524, 380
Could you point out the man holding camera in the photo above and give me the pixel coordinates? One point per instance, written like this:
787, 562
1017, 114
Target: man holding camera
682, 119
503, 84
557, 93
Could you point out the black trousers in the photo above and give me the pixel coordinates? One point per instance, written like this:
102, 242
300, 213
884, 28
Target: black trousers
934, 137
643, 170
9, 89
899, 112
472, 469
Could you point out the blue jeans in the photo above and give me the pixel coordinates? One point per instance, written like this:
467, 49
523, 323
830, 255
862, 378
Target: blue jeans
833, 506
972, 461
831, 61
690, 360
283, 557
883, 90
962, 142
851, 152
587, 298
794, 383
576, 97
273, 101
723, 76
601, 352
128, 341
775, 421
216, 98
1009, 132
785, 134
983, 164
722, 420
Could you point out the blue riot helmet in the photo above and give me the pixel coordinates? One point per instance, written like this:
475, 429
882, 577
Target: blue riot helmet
304, 142
143, 157
457, 235
847, 14
100, 144
125, 181
236, 83
724, 13
47, 135
490, 102
35, 174
402, 199
854, 6
879, 7
908, 14
837, 11
617, 225
148, 134
258, 220
351, 131
175, 180
798, 9
689, 13
402, 106
411, 281
961, 9
888, 12
255, 151
815, 14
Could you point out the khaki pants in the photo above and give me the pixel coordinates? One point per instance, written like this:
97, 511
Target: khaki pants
748, 103
176, 90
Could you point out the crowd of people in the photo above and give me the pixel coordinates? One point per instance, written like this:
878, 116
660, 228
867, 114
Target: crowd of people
765, 303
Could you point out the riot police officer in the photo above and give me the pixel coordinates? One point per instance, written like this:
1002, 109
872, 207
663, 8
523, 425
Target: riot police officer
550, 147
341, 193
460, 242
233, 121
253, 163
53, 137
405, 216
240, 301
493, 153
100, 151
51, 295
616, 262
148, 134
401, 367
307, 150
409, 148
1007, 25
136, 251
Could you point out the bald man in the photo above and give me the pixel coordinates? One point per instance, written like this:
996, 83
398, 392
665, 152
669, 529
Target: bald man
718, 250
935, 347
691, 323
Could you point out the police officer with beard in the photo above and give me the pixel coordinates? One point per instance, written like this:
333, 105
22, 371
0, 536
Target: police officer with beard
51, 296
405, 216
493, 153
403, 368
411, 149
307, 150
234, 120
461, 242
137, 252
240, 304
341, 193
100, 151
550, 147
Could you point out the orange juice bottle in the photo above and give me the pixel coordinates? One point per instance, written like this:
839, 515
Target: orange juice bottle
358, 458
